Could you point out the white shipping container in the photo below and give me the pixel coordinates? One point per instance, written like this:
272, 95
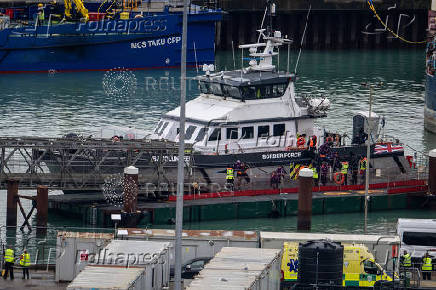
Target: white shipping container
196, 244
241, 268
73, 251
153, 256
104, 277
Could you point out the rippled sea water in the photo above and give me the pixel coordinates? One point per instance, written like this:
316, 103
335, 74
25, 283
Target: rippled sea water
55, 104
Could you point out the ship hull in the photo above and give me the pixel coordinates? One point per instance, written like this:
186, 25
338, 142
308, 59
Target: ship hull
150, 42
430, 104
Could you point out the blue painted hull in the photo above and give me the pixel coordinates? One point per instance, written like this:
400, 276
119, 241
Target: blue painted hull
430, 103
149, 42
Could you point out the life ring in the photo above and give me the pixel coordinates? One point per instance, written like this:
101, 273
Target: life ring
301, 142
340, 180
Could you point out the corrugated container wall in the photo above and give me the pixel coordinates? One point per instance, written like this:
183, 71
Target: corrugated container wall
196, 243
241, 268
109, 277
153, 256
74, 251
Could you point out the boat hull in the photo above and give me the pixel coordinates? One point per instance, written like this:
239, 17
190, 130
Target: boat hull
430, 104
151, 42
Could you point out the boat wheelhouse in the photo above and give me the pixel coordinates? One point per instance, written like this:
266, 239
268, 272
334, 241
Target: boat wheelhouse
248, 110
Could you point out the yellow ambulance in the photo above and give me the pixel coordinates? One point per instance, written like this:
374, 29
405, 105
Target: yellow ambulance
360, 268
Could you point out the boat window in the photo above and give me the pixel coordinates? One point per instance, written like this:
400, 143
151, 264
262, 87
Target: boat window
279, 130
205, 87
263, 131
216, 135
248, 93
189, 132
216, 89
158, 127
419, 239
231, 91
178, 131
247, 132
232, 133
165, 125
263, 92
279, 89
201, 134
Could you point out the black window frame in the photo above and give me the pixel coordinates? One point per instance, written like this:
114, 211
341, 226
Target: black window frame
204, 87
215, 136
190, 131
244, 130
263, 135
201, 134
158, 126
283, 131
164, 126
427, 239
217, 85
230, 133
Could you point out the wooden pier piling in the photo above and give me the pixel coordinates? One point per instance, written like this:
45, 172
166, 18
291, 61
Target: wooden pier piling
432, 172
41, 206
11, 207
305, 183
130, 195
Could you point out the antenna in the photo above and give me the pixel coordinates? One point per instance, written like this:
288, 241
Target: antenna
289, 50
195, 54
233, 53
302, 39
261, 26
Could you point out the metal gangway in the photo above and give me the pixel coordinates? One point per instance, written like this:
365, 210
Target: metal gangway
81, 163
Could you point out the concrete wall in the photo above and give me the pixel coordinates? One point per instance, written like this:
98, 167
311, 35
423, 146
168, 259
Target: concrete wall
328, 29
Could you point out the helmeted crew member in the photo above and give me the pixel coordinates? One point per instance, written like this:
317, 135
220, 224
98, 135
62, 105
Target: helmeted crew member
9, 263
25, 263
363, 166
426, 267
406, 260
41, 14
230, 177
344, 171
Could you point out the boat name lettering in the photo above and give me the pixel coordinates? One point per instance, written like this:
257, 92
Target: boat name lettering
281, 155
156, 42
167, 158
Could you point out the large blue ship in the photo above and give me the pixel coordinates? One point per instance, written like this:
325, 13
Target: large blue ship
136, 39
430, 84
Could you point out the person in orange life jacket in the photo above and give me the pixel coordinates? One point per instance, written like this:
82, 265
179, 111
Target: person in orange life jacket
311, 143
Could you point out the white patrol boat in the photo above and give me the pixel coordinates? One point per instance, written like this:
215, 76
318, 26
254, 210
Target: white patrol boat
254, 109
253, 115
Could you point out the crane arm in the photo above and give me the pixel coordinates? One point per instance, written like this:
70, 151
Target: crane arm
80, 7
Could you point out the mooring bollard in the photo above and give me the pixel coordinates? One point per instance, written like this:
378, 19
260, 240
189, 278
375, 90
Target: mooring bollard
305, 183
432, 172
41, 206
130, 195
11, 207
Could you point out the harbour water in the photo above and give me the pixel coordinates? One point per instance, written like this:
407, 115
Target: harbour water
56, 104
